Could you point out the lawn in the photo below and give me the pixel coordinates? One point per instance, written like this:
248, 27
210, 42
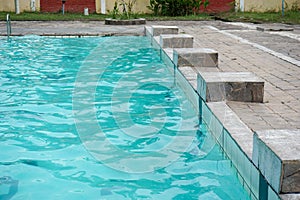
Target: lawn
27, 16
290, 17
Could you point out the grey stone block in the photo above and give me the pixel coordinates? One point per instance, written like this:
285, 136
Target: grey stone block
196, 57
157, 30
277, 155
290, 196
176, 41
230, 86
274, 28
148, 31
139, 21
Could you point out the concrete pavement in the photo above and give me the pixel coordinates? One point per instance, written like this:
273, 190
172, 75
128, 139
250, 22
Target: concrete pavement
93, 28
240, 49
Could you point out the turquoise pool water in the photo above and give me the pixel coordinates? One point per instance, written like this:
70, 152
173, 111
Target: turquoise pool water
102, 118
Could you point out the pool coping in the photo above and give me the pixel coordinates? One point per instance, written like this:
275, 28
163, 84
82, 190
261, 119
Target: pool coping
66, 35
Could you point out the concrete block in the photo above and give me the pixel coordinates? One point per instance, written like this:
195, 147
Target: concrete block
274, 28
290, 196
230, 86
176, 41
148, 31
157, 30
196, 57
110, 21
276, 153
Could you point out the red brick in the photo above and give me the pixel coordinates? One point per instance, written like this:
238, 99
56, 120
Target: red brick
217, 6
70, 5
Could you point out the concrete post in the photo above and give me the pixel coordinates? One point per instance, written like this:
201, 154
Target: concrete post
17, 6
282, 7
242, 5
32, 5
103, 7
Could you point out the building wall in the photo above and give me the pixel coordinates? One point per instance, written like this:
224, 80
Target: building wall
140, 6
70, 5
266, 5
9, 5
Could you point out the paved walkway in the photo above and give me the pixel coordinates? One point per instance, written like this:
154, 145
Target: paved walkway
273, 56
69, 28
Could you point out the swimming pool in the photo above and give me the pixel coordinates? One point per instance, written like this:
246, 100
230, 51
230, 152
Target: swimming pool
102, 118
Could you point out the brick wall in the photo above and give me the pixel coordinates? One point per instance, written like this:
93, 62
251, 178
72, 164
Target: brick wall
70, 5
217, 6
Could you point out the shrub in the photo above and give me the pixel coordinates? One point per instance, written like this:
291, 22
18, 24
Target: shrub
176, 7
126, 9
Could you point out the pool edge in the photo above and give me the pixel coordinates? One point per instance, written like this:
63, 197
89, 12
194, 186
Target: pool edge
236, 149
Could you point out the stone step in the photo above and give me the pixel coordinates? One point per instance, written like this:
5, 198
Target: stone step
195, 57
276, 153
176, 41
159, 30
230, 86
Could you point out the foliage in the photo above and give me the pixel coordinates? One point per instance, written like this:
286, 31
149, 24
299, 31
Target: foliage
176, 7
130, 5
115, 11
126, 9
205, 3
295, 6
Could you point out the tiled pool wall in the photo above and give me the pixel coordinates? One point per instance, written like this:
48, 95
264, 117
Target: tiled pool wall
59, 36
249, 176
178, 76
201, 87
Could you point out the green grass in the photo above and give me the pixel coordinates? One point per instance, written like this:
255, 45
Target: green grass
291, 17
27, 16
198, 17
